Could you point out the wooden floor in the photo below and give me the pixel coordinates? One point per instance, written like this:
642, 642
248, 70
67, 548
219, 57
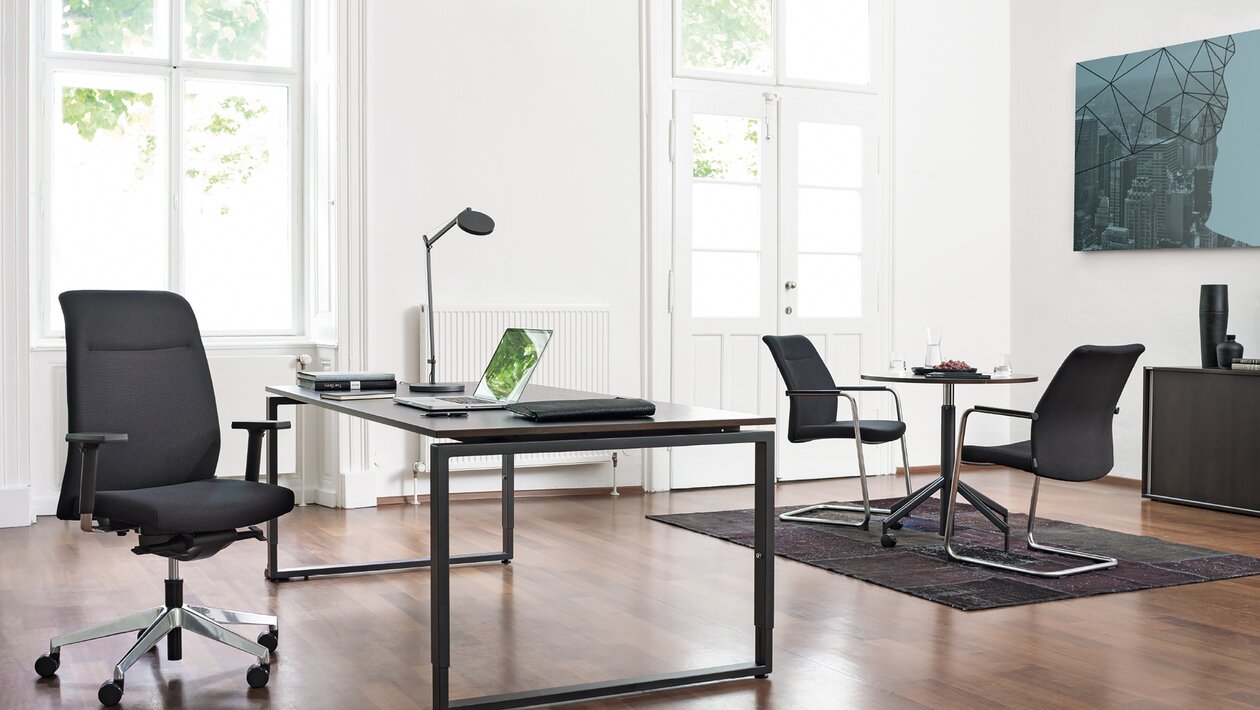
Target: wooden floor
596, 591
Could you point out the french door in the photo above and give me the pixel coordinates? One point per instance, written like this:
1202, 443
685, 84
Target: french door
776, 230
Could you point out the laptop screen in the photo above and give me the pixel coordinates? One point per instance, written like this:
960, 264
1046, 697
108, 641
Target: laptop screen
514, 361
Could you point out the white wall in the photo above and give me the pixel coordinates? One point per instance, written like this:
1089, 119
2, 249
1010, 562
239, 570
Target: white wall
951, 209
1061, 298
15, 508
528, 111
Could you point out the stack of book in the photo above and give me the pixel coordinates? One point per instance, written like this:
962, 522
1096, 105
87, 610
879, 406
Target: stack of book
348, 385
1246, 363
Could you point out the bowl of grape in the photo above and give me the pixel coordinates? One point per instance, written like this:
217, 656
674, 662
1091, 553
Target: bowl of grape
946, 366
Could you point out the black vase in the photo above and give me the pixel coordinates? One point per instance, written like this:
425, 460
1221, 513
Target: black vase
1227, 351
1213, 318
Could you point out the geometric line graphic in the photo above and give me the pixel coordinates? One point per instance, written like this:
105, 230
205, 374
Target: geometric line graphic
1178, 93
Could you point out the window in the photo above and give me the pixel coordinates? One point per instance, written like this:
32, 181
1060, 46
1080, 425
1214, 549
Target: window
171, 157
790, 42
725, 216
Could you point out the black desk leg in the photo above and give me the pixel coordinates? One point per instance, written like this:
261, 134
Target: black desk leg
276, 574
508, 504
763, 555
273, 477
440, 565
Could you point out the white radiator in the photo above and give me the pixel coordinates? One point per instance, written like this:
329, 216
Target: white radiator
576, 358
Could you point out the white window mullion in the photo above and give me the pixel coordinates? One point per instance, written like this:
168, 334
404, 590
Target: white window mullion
175, 278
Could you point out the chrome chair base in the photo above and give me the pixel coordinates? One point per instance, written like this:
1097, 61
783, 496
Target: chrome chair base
170, 621
1098, 562
160, 621
801, 515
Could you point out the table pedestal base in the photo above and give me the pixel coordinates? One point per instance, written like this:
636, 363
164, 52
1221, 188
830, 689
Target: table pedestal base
996, 514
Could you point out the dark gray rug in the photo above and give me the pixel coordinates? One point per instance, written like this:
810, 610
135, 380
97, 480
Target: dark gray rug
917, 565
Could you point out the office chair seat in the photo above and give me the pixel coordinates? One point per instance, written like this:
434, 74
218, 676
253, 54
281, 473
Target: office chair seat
874, 431
197, 506
1017, 455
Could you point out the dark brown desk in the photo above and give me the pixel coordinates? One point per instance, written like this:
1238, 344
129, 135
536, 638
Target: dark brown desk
996, 514
497, 432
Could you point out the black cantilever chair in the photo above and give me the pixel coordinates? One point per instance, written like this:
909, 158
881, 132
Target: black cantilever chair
813, 397
138, 382
1071, 441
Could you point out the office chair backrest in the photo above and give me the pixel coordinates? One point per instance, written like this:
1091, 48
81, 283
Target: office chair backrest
803, 368
135, 365
1071, 437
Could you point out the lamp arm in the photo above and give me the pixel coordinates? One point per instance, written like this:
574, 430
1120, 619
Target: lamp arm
428, 281
430, 241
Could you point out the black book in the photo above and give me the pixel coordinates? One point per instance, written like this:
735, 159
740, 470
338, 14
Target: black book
346, 385
331, 376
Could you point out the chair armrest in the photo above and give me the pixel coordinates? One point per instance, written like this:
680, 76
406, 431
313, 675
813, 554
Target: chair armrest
835, 392
89, 443
1006, 412
840, 392
95, 438
253, 452
262, 425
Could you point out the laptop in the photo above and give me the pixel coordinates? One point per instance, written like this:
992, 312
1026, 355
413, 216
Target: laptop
505, 377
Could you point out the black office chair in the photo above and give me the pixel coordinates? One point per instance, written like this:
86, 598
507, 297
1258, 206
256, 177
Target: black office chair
1071, 441
812, 396
136, 368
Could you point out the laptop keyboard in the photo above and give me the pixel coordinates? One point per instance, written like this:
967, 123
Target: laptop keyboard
463, 400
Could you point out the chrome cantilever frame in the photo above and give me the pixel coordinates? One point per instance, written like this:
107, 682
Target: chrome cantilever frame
162, 621
1098, 561
802, 515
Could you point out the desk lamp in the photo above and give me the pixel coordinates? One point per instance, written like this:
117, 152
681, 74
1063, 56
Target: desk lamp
477, 224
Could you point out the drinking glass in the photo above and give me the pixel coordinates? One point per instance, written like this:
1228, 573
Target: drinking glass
897, 365
935, 334
1003, 369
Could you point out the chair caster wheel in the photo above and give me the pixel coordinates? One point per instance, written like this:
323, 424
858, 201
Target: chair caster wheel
46, 665
110, 693
888, 540
895, 526
269, 640
257, 676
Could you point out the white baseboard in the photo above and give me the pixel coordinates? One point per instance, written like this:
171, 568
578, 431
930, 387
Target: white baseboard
325, 497
358, 490
15, 507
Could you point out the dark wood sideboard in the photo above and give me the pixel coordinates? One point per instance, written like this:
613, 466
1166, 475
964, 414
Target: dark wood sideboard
1201, 437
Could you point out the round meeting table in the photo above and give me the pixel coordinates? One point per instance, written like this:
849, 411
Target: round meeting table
996, 514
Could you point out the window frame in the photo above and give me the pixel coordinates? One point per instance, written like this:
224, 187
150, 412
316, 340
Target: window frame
778, 52
46, 61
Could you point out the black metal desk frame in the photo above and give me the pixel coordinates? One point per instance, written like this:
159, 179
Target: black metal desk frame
441, 560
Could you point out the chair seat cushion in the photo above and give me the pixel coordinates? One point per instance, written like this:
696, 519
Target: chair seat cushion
874, 431
1017, 455
198, 506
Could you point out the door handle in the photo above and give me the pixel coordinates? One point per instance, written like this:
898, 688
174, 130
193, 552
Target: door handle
790, 286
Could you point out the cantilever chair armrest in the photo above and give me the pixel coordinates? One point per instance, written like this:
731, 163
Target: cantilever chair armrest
1019, 414
1014, 413
88, 443
839, 391
253, 454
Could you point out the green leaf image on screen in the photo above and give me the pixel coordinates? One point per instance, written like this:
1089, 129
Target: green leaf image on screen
514, 357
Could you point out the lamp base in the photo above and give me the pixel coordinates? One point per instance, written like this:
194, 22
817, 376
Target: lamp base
436, 387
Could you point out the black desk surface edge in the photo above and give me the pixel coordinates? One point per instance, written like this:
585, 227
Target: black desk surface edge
500, 424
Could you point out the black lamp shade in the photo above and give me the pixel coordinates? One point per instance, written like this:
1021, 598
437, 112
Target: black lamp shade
476, 223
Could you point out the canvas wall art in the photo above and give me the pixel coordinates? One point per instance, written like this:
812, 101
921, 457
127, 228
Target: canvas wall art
1168, 147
